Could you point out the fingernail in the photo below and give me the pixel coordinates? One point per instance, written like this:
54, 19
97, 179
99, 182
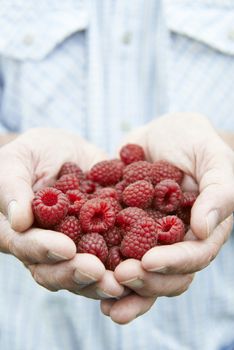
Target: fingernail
161, 269
83, 278
126, 292
103, 294
211, 221
10, 210
134, 283
56, 257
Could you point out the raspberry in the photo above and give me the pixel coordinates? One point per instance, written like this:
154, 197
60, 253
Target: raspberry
119, 187
70, 226
184, 211
77, 200
128, 216
168, 196
107, 192
71, 168
170, 229
188, 199
49, 206
115, 205
106, 173
114, 258
138, 194
154, 214
162, 170
113, 236
118, 163
97, 215
67, 182
87, 186
141, 237
132, 153
93, 243
141, 170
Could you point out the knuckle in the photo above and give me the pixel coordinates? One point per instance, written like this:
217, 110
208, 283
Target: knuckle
7, 243
40, 279
152, 293
12, 247
184, 287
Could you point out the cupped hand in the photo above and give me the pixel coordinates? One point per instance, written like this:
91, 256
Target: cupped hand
29, 163
189, 142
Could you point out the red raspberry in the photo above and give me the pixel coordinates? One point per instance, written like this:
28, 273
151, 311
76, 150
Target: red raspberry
132, 153
93, 243
141, 170
184, 211
115, 205
155, 214
170, 229
70, 226
113, 236
114, 258
162, 170
49, 206
168, 196
97, 215
141, 237
87, 186
128, 216
188, 199
119, 187
77, 199
119, 164
71, 168
106, 173
106, 192
67, 182
138, 194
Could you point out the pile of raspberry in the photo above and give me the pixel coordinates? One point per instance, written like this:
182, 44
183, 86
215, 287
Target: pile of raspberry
119, 209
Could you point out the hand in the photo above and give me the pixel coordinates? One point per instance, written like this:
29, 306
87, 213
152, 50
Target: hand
30, 163
189, 142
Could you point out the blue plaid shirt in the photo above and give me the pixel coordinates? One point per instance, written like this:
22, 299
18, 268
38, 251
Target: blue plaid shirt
102, 68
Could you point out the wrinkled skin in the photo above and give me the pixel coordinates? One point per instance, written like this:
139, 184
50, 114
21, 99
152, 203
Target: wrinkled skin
29, 163
32, 162
189, 142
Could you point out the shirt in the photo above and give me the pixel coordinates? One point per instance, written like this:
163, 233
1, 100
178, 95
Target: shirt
102, 68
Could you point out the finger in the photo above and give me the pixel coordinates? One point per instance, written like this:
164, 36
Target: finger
128, 308
215, 175
35, 245
106, 306
73, 275
188, 256
15, 186
150, 284
106, 288
189, 184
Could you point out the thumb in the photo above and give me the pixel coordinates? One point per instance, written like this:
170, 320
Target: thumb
216, 184
16, 192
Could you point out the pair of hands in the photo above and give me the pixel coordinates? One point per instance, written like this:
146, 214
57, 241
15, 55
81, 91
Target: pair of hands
188, 141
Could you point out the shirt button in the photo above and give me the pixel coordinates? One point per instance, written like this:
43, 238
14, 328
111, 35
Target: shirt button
127, 38
28, 40
125, 126
231, 35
